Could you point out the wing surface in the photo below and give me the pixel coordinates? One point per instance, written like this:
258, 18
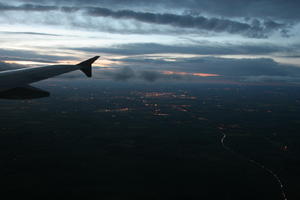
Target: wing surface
22, 77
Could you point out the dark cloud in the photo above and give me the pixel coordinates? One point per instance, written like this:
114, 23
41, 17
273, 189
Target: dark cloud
289, 79
275, 9
227, 67
235, 67
130, 73
203, 49
27, 7
150, 76
123, 74
254, 29
258, 30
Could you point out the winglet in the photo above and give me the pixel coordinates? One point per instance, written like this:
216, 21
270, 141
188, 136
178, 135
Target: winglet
86, 66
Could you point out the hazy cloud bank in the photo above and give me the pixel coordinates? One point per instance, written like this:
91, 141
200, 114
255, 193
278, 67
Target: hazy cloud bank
202, 49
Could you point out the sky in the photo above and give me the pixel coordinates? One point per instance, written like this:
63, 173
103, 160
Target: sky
243, 40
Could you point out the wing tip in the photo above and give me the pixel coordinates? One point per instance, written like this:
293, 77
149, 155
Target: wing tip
86, 66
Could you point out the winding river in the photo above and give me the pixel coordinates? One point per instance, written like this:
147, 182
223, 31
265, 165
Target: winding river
269, 171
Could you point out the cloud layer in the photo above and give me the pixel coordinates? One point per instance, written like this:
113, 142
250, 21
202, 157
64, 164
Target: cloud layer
157, 40
201, 48
248, 70
253, 28
275, 9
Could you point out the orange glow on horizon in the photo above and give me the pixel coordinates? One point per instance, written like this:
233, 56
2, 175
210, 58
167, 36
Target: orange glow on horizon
108, 63
188, 73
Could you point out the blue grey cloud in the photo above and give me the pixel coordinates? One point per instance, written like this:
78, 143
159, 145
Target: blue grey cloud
203, 49
274, 9
255, 30
251, 28
215, 65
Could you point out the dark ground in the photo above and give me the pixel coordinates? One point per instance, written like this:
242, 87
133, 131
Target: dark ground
151, 141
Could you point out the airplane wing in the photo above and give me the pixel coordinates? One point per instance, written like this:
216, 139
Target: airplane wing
23, 77
26, 92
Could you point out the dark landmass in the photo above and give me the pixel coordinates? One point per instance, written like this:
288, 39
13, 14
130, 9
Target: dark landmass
151, 141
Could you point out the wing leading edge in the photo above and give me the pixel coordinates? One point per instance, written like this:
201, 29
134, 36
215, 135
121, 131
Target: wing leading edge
21, 77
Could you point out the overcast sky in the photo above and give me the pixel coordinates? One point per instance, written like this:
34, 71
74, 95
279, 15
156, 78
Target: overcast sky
257, 39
